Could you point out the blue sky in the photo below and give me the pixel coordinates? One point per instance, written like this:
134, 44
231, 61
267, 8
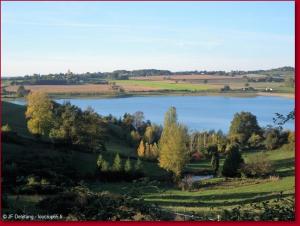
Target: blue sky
50, 37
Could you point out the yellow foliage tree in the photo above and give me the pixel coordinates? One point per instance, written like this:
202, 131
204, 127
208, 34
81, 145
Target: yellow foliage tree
173, 148
39, 113
147, 151
141, 149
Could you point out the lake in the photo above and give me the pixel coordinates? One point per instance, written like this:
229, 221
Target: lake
197, 112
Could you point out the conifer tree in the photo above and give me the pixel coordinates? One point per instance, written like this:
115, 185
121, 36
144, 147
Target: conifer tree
117, 165
127, 166
233, 162
138, 165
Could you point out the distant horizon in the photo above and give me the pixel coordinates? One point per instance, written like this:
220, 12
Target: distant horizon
141, 69
51, 37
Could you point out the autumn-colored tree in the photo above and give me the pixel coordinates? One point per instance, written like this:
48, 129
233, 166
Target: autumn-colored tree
152, 133
154, 151
39, 113
147, 150
141, 149
173, 151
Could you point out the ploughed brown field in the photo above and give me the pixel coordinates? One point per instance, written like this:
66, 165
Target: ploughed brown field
88, 88
212, 83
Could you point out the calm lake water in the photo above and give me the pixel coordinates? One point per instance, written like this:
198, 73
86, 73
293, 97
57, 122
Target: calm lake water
197, 112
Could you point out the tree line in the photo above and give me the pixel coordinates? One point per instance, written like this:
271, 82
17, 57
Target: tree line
71, 78
172, 146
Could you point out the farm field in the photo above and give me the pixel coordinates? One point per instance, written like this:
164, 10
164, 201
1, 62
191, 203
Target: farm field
183, 77
162, 85
88, 88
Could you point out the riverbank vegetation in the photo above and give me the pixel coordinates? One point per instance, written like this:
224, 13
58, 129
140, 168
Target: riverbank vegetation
58, 158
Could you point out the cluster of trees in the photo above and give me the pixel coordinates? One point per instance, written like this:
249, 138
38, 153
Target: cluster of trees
133, 128
171, 145
148, 147
245, 131
201, 141
70, 78
175, 146
148, 151
65, 124
265, 79
244, 134
118, 170
117, 166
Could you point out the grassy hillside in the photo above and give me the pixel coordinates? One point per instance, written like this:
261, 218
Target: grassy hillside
14, 116
213, 195
218, 193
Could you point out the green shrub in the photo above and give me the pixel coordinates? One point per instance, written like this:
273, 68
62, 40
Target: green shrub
257, 166
79, 203
255, 140
281, 209
276, 137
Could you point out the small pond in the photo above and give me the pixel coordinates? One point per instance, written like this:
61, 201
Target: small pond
196, 178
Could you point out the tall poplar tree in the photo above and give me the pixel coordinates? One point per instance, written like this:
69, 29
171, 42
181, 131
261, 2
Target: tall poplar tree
173, 148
